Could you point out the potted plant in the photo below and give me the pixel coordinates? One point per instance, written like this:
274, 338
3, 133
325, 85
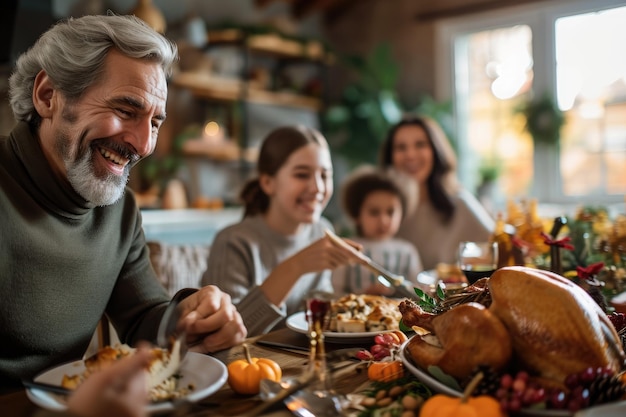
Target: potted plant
369, 106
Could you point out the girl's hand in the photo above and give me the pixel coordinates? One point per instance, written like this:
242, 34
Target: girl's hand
325, 254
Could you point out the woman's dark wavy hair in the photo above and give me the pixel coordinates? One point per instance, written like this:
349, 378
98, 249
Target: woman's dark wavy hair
442, 180
275, 150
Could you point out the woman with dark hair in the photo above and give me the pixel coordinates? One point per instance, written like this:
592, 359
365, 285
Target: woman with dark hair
278, 253
445, 214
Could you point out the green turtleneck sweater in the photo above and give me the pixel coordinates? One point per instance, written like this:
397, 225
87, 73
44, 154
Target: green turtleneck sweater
63, 263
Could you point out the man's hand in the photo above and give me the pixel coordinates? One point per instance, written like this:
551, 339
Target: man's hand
212, 322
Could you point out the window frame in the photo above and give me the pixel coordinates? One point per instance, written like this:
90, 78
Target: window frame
541, 18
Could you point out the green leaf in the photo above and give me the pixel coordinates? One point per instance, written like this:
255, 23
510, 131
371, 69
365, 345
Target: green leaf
403, 327
441, 293
444, 378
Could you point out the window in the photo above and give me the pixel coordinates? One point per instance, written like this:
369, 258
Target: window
591, 88
573, 52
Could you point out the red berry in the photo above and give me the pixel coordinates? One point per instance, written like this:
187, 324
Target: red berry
504, 405
506, 381
572, 381
574, 405
558, 400
523, 375
375, 349
515, 404
605, 371
540, 395
364, 355
588, 375
519, 385
382, 354
389, 339
502, 393
528, 397
379, 339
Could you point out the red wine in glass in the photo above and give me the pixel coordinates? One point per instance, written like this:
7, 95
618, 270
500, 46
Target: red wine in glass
478, 259
475, 272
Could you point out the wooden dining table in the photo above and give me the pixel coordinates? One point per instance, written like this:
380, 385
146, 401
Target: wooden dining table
288, 348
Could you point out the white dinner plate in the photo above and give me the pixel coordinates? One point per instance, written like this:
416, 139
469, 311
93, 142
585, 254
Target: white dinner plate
297, 322
439, 387
205, 373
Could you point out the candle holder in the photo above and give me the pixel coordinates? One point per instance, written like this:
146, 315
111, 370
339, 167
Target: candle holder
318, 316
318, 306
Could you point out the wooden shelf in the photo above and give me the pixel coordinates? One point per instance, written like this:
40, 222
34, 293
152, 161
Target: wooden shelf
226, 151
203, 85
271, 43
278, 52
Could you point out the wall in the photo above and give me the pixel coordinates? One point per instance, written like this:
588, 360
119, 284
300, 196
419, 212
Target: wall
372, 22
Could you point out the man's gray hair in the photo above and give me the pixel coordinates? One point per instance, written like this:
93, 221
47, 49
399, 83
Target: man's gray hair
73, 51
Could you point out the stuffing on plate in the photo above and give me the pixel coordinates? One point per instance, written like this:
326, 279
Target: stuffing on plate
364, 313
165, 390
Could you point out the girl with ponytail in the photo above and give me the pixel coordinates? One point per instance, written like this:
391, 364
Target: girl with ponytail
278, 253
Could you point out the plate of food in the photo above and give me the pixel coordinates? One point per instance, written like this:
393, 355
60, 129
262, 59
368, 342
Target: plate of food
198, 377
545, 344
354, 317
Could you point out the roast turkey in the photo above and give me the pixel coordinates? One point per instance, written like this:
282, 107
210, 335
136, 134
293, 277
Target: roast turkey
554, 328
467, 336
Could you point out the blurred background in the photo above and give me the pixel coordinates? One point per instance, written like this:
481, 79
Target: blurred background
532, 93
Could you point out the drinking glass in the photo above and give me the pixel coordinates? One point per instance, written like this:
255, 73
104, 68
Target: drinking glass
478, 259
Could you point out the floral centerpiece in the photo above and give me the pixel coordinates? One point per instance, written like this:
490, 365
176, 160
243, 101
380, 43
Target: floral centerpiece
571, 244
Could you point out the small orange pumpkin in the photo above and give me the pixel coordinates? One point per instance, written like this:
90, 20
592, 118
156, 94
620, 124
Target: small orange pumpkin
245, 375
466, 406
385, 371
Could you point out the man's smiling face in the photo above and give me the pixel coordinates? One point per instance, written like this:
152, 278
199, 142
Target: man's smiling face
95, 139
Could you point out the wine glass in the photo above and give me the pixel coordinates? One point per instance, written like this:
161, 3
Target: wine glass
478, 259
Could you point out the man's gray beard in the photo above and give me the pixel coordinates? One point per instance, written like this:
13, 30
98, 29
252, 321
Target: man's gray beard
99, 191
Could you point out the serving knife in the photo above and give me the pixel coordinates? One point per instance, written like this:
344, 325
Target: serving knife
396, 281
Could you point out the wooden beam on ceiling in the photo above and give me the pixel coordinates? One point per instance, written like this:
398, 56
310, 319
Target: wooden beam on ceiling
329, 9
301, 8
465, 9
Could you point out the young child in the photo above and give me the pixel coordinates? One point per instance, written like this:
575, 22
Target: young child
376, 202
279, 252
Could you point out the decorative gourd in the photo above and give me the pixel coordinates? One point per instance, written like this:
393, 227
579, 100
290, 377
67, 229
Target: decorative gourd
385, 371
245, 375
441, 405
